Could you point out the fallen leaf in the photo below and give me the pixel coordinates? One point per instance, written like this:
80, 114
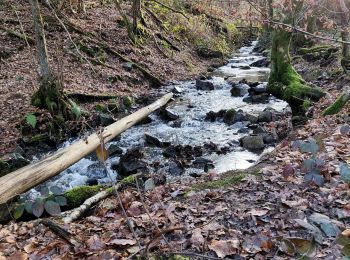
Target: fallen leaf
122, 242
197, 239
95, 243
223, 248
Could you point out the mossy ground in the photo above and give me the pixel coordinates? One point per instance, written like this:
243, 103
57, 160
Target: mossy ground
226, 180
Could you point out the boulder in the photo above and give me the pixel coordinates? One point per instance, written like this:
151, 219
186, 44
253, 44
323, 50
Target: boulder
204, 85
261, 98
268, 115
254, 143
131, 162
239, 89
256, 89
230, 117
14, 162
157, 141
264, 62
114, 150
212, 116
171, 115
105, 119
245, 67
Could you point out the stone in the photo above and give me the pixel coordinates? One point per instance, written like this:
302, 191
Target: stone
260, 88
268, 115
212, 116
114, 150
176, 123
239, 90
131, 162
96, 171
177, 90
171, 115
14, 162
230, 117
204, 85
254, 143
202, 163
243, 130
245, 67
91, 182
175, 168
261, 98
157, 141
261, 63
105, 119
128, 66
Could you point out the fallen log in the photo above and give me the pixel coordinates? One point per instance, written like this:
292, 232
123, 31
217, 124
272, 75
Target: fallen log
17, 182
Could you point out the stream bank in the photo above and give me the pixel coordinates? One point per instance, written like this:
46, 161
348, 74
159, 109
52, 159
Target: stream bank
219, 122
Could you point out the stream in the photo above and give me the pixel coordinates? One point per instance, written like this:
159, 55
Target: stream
185, 143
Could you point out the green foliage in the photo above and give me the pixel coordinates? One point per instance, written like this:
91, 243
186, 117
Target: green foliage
76, 110
31, 120
50, 201
344, 241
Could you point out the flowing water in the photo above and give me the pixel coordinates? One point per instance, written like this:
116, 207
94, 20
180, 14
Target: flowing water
191, 106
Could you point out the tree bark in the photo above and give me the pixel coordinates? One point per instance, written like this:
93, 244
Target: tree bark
345, 35
136, 15
49, 94
17, 182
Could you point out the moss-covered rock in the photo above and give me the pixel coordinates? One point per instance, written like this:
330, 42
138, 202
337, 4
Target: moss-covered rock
229, 116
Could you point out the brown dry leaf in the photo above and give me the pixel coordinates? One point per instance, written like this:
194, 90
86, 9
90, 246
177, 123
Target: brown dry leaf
258, 212
29, 248
95, 243
18, 256
224, 248
197, 239
122, 242
101, 153
346, 233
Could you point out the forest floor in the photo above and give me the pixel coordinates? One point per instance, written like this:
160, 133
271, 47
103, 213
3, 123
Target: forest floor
266, 212
19, 76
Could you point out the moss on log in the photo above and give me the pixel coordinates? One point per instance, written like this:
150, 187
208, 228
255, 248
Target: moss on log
337, 106
284, 81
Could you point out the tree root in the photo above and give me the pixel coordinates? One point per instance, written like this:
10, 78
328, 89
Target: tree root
337, 106
16, 34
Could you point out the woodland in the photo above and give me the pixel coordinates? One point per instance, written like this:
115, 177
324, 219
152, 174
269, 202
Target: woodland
174, 129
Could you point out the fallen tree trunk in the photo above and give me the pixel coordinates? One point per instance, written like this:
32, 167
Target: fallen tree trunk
17, 182
338, 105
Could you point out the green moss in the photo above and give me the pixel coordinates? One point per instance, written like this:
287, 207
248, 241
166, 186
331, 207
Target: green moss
36, 99
316, 48
101, 108
337, 106
38, 138
226, 180
76, 196
229, 115
284, 81
306, 104
128, 101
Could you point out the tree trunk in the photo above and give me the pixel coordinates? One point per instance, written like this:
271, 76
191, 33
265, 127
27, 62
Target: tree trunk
17, 182
284, 81
49, 94
345, 35
126, 21
136, 15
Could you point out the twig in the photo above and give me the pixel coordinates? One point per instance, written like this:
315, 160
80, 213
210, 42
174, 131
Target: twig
157, 236
171, 9
69, 36
61, 232
195, 255
147, 211
114, 186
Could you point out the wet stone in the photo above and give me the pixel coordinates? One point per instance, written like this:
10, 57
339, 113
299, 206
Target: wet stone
261, 63
157, 141
171, 115
261, 98
239, 90
131, 163
114, 150
204, 85
254, 143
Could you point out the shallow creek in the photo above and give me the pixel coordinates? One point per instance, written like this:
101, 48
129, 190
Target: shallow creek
191, 105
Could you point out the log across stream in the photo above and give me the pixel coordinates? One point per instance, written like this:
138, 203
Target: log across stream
180, 141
